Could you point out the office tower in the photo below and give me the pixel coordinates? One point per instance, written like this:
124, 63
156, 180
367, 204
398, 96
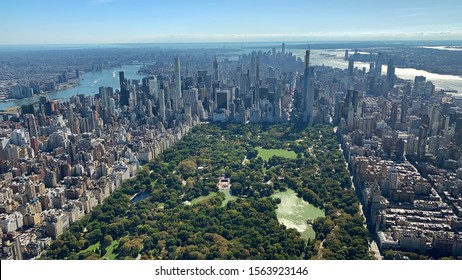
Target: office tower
283, 48
222, 99
346, 55
77, 74
308, 90
177, 92
257, 73
153, 88
253, 65
419, 85
124, 93
390, 74
190, 96
350, 73
458, 131
104, 93
404, 108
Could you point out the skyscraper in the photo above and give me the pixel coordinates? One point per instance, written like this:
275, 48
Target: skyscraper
378, 66
162, 104
350, 73
124, 93
283, 48
216, 73
308, 90
177, 93
390, 74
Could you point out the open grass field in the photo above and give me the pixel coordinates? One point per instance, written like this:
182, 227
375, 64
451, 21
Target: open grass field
266, 154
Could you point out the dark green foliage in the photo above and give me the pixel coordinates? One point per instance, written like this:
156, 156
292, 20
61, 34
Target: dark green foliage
161, 227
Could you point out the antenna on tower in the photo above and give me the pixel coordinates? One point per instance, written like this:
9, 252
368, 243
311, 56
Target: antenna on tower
308, 44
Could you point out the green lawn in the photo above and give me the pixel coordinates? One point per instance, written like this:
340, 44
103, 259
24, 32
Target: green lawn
266, 154
110, 249
91, 248
228, 197
202, 198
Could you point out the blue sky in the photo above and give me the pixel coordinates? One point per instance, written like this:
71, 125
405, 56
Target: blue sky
144, 21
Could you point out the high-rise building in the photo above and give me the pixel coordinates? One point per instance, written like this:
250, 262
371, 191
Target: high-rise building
31, 125
222, 99
390, 74
124, 93
177, 93
162, 104
378, 66
283, 48
350, 73
216, 73
105, 93
458, 131
308, 90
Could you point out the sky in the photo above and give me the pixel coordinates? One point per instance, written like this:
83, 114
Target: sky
171, 21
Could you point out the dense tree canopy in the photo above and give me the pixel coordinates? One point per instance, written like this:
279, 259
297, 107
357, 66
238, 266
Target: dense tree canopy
164, 227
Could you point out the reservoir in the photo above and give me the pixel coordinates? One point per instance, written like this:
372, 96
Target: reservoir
89, 85
294, 212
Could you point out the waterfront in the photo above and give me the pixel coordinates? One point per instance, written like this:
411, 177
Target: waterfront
89, 85
334, 58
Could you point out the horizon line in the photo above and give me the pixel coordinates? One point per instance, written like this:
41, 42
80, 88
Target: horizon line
235, 42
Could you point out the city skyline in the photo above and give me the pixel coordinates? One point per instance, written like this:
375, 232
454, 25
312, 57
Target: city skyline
121, 21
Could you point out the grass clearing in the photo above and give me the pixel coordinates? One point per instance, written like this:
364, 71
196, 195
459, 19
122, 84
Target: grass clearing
266, 154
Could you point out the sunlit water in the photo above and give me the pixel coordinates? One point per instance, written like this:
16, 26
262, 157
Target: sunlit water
89, 85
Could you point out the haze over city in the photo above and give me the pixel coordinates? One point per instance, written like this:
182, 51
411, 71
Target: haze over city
142, 21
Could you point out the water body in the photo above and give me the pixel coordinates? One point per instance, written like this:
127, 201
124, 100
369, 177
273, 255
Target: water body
294, 212
334, 58
89, 85
140, 196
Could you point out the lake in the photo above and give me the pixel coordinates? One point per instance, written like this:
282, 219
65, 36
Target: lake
293, 212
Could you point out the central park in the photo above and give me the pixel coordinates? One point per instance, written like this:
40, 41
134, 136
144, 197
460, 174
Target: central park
289, 197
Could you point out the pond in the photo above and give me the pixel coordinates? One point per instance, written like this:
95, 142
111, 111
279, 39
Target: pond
140, 196
293, 212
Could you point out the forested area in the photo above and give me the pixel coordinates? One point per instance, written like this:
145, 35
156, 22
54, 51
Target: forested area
163, 226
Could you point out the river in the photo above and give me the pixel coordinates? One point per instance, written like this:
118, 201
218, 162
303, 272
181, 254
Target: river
334, 58
89, 85
91, 81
